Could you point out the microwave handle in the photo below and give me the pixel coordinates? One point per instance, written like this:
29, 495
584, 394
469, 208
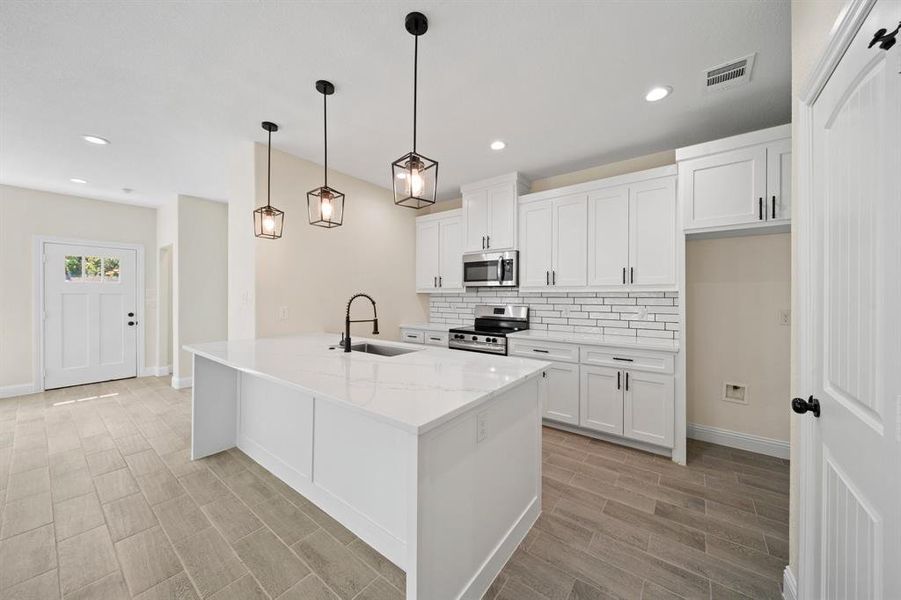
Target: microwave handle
500, 270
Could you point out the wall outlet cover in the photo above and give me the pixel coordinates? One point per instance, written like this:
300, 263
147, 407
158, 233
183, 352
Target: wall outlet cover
282, 313
785, 317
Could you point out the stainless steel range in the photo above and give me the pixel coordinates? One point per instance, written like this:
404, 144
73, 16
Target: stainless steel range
489, 333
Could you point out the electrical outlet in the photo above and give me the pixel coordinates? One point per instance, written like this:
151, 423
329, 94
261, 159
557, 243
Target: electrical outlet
282, 313
481, 427
785, 317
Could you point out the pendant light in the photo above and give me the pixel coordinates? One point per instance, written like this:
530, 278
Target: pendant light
415, 177
325, 204
268, 220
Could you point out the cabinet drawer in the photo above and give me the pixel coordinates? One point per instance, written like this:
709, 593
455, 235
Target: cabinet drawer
641, 360
551, 351
436, 338
413, 336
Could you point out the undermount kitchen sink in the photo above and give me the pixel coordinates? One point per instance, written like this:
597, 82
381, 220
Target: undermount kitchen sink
380, 350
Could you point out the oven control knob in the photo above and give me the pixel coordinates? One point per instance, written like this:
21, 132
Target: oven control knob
494, 340
475, 338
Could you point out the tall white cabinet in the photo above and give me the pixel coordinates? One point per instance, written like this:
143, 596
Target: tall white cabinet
489, 213
616, 234
737, 183
439, 252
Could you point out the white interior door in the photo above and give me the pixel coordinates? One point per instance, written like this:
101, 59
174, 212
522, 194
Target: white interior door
90, 314
851, 503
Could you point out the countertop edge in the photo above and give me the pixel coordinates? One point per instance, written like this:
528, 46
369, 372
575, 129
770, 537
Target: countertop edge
589, 340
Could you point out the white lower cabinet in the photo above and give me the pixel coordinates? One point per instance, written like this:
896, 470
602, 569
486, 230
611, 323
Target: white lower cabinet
648, 407
628, 393
601, 399
561, 402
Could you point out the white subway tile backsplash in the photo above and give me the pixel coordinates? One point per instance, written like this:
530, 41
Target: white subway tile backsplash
612, 313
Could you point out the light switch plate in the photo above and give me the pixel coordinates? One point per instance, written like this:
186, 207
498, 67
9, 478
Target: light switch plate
785, 317
282, 313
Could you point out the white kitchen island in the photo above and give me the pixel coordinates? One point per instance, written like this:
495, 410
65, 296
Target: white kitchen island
432, 457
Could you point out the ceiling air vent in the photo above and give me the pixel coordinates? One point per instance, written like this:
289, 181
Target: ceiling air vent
729, 75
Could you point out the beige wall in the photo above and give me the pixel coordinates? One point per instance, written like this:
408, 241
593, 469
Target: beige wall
202, 257
812, 25
26, 213
241, 243
735, 288
313, 271
640, 163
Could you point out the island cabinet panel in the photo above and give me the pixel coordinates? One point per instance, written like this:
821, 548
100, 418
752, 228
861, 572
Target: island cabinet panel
278, 421
479, 493
214, 407
362, 463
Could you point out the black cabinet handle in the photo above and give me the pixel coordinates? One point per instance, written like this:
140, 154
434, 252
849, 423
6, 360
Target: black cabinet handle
434, 339
540, 350
624, 275
627, 381
488, 241
547, 278
440, 283
554, 277
623, 359
631, 274
618, 374
760, 208
774, 207
483, 242
801, 406
434, 282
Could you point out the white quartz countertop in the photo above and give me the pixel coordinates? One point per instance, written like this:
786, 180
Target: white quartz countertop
590, 339
416, 391
428, 326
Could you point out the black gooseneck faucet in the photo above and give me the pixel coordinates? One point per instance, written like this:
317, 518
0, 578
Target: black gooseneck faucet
374, 320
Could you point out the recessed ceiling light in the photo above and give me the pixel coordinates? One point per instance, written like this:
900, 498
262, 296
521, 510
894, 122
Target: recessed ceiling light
77, 180
658, 93
95, 139
498, 145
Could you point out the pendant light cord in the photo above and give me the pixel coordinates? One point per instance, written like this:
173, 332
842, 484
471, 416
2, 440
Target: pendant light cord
325, 136
415, 72
269, 172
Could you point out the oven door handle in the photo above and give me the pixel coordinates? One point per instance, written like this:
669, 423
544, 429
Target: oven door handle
500, 270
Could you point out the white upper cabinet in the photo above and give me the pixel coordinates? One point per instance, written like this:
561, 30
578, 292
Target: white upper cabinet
537, 243
652, 233
742, 182
553, 242
779, 180
615, 234
439, 252
489, 213
608, 236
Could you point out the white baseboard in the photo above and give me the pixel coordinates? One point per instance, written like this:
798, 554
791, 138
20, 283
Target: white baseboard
181, 383
9, 391
789, 585
162, 371
743, 441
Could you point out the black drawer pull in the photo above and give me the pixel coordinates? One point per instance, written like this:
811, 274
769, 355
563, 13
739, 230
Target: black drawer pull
627, 381
540, 350
618, 375
435, 339
623, 359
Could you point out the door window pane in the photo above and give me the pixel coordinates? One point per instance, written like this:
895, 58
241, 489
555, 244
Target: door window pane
92, 268
73, 268
111, 269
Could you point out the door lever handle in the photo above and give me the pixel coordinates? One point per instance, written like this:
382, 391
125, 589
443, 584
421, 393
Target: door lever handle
801, 406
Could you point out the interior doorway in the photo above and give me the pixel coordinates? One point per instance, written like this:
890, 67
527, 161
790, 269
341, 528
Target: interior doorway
165, 339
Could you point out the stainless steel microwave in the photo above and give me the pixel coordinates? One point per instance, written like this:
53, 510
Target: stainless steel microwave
491, 269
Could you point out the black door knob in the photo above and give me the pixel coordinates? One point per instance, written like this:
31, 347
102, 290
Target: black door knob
801, 406
131, 323
131, 314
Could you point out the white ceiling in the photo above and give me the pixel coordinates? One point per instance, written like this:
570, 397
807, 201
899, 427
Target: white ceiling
176, 84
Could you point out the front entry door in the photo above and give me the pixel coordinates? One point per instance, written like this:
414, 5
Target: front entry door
90, 314
851, 513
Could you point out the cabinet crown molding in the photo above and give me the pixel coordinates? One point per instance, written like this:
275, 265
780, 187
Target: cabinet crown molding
444, 214
599, 184
753, 138
521, 181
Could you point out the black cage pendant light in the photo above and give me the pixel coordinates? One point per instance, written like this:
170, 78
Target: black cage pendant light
325, 204
268, 220
415, 176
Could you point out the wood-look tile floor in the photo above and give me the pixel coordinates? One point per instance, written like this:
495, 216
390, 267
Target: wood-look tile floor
99, 500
